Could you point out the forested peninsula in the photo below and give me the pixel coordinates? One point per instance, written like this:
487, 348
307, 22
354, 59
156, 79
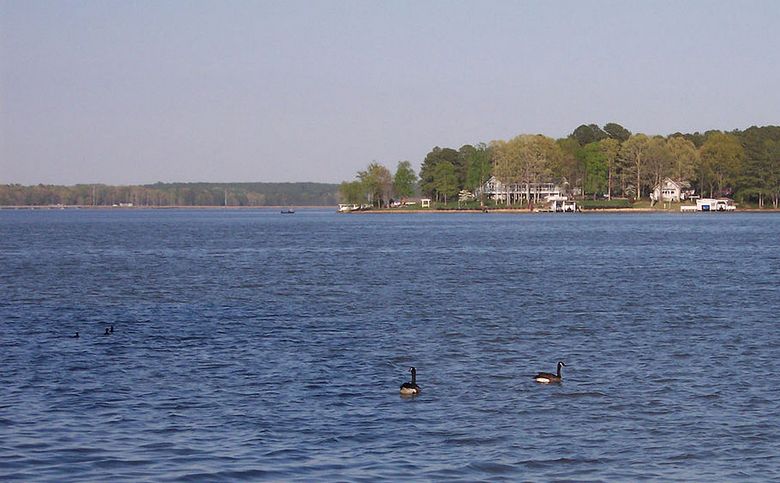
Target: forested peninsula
172, 194
601, 164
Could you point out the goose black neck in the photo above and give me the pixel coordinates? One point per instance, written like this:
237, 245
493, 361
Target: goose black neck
414, 376
559, 370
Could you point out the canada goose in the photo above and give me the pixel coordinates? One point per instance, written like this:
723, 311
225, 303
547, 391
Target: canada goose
75, 336
411, 388
112, 329
108, 332
546, 377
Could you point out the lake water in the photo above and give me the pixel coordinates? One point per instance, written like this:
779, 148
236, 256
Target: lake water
251, 345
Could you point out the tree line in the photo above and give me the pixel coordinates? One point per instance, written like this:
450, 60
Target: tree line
599, 162
172, 194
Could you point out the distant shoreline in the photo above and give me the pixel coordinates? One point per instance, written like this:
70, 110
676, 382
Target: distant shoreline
178, 207
527, 211
383, 211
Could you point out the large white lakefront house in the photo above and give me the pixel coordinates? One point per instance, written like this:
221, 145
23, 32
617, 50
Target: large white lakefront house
517, 192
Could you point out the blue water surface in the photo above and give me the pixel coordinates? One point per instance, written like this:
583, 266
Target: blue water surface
251, 345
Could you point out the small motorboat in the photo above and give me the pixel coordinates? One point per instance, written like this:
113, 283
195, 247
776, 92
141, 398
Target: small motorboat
288, 211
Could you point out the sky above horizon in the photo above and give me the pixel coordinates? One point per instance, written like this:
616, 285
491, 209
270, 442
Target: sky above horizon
121, 92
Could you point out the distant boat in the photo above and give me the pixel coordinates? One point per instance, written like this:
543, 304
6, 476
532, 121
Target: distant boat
288, 211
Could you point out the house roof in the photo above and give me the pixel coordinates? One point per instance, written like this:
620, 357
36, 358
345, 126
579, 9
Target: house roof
678, 184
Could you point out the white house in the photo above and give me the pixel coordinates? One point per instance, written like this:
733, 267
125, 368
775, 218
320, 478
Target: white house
498, 191
671, 190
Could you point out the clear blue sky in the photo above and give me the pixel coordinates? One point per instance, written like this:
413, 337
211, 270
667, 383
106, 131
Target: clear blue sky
127, 92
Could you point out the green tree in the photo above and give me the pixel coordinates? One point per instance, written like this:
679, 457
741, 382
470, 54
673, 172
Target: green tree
753, 179
616, 131
352, 192
378, 184
434, 157
595, 169
773, 171
506, 165
721, 158
588, 133
632, 154
479, 166
610, 148
759, 175
404, 180
461, 164
685, 158
659, 162
445, 180
569, 169
541, 154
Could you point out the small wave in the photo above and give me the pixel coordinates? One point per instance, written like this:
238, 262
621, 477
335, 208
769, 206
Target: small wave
81, 451
283, 453
688, 456
492, 468
544, 463
79, 368
474, 441
242, 475
6, 422
18, 477
157, 446
683, 355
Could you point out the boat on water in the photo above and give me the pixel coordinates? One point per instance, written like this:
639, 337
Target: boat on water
346, 207
288, 211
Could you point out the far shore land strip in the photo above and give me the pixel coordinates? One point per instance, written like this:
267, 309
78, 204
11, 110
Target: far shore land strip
396, 211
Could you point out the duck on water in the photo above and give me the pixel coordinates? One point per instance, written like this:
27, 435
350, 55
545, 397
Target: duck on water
411, 388
548, 377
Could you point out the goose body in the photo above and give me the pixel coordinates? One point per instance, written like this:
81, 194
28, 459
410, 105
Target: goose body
411, 388
548, 377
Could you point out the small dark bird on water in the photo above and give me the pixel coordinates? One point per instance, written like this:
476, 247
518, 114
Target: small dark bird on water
108, 332
75, 336
112, 329
411, 388
548, 377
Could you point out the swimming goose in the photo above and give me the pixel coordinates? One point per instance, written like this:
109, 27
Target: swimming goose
547, 377
75, 336
107, 332
411, 388
112, 329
